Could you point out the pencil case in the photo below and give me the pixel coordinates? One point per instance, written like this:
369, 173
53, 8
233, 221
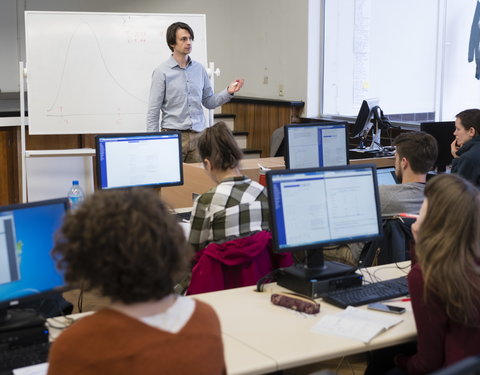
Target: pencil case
296, 302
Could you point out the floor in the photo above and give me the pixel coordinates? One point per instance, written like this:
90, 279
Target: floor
352, 365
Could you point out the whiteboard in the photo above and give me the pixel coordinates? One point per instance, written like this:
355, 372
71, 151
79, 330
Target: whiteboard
91, 72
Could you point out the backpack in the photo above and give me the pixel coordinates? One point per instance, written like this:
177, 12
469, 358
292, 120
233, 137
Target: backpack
393, 246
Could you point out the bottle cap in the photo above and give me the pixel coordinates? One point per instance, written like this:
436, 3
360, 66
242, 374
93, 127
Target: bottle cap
75, 182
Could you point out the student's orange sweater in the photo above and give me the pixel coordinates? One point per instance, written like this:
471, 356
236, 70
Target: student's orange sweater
109, 342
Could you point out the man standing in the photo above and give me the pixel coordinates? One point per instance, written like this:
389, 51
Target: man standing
179, 88
415, 155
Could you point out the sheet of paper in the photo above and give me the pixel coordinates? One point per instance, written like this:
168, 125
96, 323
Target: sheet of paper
40, 369
356, 323
351, 328
387, 321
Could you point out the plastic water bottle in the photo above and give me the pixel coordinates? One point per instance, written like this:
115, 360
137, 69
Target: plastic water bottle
75, 195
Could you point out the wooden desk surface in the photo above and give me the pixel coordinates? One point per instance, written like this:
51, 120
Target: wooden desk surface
285, 335
379, 162
197, 181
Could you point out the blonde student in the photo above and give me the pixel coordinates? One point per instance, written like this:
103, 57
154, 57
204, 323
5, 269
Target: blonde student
445, 283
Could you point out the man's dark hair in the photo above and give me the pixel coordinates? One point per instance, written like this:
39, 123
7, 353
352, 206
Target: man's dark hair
470, 118
123, 243
172, 33
419, 148
218, 145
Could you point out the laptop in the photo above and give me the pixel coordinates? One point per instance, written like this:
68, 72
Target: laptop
386, 176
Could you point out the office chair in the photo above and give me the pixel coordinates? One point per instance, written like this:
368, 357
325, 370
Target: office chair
467, 366
393, 246
277, 142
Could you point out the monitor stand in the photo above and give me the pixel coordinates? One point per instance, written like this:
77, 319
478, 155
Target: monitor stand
316, 277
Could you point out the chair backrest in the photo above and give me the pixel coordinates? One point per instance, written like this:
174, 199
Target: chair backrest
393, 246
277, 142
467, 366
236, 263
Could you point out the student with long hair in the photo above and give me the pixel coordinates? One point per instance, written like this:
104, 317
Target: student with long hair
126, 245
237, 206
444, 284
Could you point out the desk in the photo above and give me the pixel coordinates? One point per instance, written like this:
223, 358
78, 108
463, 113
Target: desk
197, 181
285, 336
388, 161
260, 337
240, 358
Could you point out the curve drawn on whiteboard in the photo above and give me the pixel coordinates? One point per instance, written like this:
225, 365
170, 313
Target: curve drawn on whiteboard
76, 91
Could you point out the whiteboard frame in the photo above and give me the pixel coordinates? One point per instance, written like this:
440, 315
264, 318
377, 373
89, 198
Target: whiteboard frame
87, 153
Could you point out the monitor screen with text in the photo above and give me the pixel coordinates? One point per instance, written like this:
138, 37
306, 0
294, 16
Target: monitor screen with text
316, 145
147, 159
321, 207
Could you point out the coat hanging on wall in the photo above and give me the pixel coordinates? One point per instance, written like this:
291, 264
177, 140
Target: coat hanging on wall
474, 46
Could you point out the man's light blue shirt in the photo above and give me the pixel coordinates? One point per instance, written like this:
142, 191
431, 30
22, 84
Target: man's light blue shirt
178, 93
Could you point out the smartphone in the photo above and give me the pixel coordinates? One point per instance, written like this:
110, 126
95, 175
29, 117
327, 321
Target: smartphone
386, 308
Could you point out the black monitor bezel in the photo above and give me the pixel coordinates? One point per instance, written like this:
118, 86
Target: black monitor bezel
312, 124
126, 135
362, 120
272, 217
444, 157
12, 302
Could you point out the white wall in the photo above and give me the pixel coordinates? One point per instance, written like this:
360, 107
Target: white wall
249, 38
270, 41
9, 57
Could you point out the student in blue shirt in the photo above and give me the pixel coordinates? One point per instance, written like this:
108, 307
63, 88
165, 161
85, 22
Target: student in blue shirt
180, 86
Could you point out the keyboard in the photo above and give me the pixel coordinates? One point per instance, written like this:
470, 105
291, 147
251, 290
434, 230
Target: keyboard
23, 356
368, 293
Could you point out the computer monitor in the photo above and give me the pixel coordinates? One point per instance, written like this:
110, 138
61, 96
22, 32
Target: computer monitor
443, 133
386, 176
362, 123
139, 159
27, 270
320, 207
313, 145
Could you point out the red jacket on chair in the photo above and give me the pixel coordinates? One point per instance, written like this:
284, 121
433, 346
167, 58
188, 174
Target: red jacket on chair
236, 263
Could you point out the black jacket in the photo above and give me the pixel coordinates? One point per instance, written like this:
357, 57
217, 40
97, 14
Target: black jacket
393, 246
467, 165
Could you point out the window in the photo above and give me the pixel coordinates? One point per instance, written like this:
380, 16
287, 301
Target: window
411, 55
